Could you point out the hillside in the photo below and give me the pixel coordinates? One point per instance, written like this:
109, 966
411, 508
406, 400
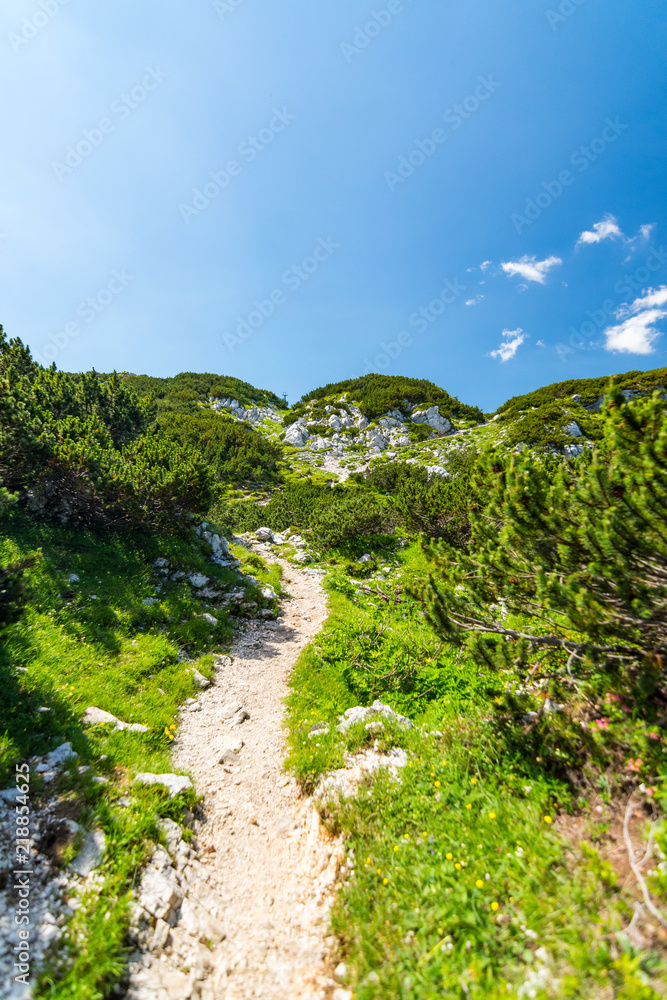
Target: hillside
183, 392
466, 618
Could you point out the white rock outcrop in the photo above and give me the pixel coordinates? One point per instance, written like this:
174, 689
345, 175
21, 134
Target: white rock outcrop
98, 717
297, 433
174, 783
434, 419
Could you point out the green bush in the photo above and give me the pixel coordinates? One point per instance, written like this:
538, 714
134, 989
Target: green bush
545, 426
565, 575
234, 451
590, 390
86, 448
13, 592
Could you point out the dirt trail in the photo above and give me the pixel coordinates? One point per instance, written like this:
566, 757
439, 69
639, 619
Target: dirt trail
261, 848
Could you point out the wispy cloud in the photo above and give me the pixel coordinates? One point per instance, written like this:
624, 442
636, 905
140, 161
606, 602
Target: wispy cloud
483, 266
637, 334
473, 302
530, 268
606, 229
639, 239
511, 342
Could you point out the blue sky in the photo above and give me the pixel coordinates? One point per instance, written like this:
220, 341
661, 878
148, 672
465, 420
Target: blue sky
299, 193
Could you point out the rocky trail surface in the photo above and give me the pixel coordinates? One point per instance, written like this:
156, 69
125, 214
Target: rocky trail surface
248, 915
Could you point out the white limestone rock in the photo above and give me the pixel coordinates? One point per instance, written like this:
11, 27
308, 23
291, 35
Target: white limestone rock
98, 717
434, 419
174, 783
172, 833
360, 714
230, 709
52, 761
297, 434
159, 895
90, 855
199, 679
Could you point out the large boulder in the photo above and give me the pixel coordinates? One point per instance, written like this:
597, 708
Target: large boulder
297, 434
434, 419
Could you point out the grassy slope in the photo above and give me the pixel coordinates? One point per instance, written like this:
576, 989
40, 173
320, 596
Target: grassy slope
113, 652
181, 391
590, 389
463, 886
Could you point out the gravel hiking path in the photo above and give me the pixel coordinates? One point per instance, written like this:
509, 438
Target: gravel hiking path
261, 847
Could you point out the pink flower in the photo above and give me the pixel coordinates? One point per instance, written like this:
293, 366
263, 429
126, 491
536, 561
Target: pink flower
611, 697
601, 723
634, 765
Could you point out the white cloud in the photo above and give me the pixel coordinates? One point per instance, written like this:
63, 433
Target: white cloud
473, 302
654, 297
606, 229
530, 268
512, 341
637, 333
641, 237
540, 343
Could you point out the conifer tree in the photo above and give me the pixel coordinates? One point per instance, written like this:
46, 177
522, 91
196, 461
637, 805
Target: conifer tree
566, 568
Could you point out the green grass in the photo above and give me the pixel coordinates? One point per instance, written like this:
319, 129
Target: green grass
462, 885
94, 642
